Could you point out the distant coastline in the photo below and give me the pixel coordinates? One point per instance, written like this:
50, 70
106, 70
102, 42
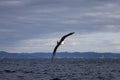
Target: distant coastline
4, 54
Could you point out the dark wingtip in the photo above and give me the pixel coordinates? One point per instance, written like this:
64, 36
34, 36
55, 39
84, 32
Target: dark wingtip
72, 32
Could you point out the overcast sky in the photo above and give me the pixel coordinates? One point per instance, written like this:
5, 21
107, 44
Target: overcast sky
36, 25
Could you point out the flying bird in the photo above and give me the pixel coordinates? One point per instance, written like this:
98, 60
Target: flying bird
59, 43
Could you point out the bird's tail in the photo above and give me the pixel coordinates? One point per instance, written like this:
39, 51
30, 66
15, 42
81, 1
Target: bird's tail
52, 58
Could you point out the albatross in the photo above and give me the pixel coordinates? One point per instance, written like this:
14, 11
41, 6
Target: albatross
59, 43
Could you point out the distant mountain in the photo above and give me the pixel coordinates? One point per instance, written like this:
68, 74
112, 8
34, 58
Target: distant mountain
4, 54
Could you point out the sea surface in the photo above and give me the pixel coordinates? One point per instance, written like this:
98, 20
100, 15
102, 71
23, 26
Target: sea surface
60, 69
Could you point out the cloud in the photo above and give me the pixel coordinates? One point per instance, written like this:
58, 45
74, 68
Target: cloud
118, 48
11, 2
116, 42
26, 20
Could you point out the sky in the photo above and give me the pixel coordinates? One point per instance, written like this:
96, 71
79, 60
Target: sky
37, 25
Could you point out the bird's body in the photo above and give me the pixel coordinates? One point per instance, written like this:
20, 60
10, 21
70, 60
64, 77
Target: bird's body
59, 43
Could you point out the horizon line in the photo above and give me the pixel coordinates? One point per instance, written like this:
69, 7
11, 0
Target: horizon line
63, 52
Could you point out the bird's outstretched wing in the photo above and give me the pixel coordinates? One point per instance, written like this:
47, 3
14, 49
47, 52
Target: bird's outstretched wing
59, 43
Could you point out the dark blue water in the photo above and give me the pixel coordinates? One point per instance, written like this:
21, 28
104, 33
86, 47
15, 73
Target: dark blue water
60, 69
